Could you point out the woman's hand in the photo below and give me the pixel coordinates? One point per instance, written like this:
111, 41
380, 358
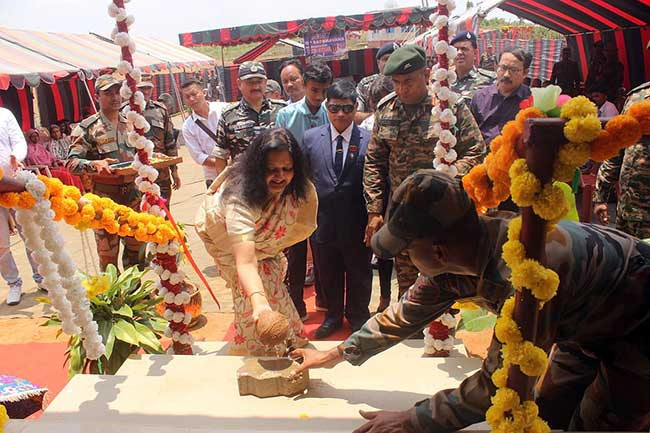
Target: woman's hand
385, 421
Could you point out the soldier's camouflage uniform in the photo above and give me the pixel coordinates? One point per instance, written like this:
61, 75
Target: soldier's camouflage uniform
96, 138
476, 79
363, 92
599, 374
240, 124
632, 169
402, 143
488, 62
162, 135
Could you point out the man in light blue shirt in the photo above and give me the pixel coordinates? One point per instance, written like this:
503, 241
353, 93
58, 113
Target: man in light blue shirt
307, 113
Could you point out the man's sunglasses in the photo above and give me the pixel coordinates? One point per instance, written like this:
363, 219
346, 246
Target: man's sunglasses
335, 108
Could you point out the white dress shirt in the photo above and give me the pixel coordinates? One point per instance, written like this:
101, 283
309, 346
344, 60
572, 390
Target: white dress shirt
199, 144
347, 134
12, 140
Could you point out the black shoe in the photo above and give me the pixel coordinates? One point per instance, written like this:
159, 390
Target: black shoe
327, 328
356, 324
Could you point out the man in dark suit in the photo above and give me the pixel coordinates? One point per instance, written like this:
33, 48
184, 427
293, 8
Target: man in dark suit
336, 153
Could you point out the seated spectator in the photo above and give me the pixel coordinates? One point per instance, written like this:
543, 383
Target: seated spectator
40, 158
59, 144
598, 95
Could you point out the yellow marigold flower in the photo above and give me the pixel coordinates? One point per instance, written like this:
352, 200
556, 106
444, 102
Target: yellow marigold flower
508, 425
73, 219
505, 399
550, 204
563, 172
533, 359
518, 167
542, 282
70, 207
511, 353
525, 188
3, 417
579, 106
108, 216
508, 308
514, 228
582, 129
507, 331
71, 192
513, 252
500, 376
465, 305
112, 227
641, 112
574, 154
87, 213
493, 415
539, 426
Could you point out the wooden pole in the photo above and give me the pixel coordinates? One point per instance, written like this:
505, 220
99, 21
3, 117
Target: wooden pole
542, 140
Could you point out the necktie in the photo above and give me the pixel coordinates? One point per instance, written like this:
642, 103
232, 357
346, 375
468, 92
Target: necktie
338, 156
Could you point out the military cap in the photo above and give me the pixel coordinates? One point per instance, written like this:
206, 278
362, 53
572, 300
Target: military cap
464, 36
427, 205
405, 60
273, 86
106, 81
386, 49
146, 80
248, 70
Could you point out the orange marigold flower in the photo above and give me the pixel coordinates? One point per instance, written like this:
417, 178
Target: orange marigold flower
641, 112
603, 147
625, 128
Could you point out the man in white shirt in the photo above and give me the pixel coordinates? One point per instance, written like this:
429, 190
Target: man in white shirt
598, 95
13, 150
200, 128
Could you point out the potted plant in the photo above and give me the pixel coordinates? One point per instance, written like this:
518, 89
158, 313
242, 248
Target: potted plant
124, 307
477, 324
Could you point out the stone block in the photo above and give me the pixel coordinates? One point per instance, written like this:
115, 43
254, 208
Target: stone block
270, 377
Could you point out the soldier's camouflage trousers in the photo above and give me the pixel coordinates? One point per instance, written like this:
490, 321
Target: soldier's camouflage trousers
108, 249
639, 229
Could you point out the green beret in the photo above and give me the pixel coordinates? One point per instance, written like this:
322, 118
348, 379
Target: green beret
405, 60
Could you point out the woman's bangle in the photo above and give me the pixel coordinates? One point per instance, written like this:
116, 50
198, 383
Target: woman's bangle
257, 292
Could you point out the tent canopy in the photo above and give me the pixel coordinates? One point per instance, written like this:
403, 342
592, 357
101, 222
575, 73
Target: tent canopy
48, 55
260, 32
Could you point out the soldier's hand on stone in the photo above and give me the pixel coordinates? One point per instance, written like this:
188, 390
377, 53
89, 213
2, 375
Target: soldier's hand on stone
375, 221
600, 210
101, 166
313, 358
386, 421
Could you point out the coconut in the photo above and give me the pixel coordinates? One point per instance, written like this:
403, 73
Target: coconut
272, 328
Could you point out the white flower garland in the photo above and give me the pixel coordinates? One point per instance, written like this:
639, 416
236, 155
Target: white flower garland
58, 269
444, 154
137, 126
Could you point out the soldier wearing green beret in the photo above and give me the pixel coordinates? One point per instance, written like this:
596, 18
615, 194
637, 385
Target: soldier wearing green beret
403, 140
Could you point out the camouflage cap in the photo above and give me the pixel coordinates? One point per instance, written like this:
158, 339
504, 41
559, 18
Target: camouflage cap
464, 36
428, 204
106, 81
146, 80
248, 70
273, 86
405, 60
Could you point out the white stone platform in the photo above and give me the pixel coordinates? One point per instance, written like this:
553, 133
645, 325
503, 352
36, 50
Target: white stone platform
199, 394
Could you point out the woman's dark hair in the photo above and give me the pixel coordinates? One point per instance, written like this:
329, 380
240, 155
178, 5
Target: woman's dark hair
343, 89
248, 176
318, 72
525, 57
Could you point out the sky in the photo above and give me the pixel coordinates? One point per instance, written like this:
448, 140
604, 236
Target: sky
168, 18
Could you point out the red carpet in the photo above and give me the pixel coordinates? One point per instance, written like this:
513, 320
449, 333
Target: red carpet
40, 363
314, 321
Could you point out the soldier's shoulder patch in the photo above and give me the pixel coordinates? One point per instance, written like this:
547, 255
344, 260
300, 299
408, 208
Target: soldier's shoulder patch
88, 121
279, 102
643, 86
488, 74
386, 100
158, 104
229, 108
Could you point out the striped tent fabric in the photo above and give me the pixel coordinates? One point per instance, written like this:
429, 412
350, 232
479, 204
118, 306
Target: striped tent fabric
359, 64
545, 52
260, 32
624, 23
21, 104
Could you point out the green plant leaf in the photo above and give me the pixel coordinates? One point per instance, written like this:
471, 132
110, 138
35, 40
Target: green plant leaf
125, 331
476, 320
76, 361
148, 338
125, 310
51, 322
109, 343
